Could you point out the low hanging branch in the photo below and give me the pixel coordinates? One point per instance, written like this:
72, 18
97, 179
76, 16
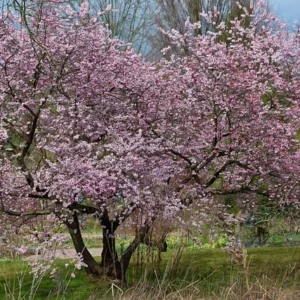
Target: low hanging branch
28, 213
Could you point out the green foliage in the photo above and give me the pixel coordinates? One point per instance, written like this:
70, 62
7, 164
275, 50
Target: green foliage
284, 239
232, 204
272, 97
267, 210
298, 135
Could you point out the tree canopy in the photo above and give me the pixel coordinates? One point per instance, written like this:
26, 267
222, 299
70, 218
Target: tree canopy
88, 127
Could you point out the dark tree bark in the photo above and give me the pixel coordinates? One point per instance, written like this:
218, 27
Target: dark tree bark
139, 238
109, 257
262, 234
92, 268
110, 264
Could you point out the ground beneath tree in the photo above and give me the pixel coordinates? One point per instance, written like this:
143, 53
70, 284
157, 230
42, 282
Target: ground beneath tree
67, 253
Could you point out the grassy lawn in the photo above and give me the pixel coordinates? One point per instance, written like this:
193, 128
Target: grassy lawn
192, 274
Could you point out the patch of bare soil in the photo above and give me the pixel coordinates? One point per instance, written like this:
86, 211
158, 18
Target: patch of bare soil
67, 253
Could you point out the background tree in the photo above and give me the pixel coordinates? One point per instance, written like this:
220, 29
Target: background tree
130, 21
221, 105
208, 14
71, 127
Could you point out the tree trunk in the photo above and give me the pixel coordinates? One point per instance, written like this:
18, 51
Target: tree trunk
110, 264
113, 266
139, 238
262, 235
92, 267
109, 257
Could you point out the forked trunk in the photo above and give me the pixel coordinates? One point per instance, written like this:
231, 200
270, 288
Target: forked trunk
110, 264
90, 265
113, 266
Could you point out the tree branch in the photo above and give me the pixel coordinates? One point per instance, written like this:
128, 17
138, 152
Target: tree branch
90, 210
125, 214
28, 213
223, 168
245, 190
181, 156
200, 166
218, 172
36, 196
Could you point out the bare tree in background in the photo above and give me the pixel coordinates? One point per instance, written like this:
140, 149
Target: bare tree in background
173, 14
129, 20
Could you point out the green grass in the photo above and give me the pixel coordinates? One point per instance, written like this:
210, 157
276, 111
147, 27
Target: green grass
282, 239
214, 273
279, 265
206, 272
16, 277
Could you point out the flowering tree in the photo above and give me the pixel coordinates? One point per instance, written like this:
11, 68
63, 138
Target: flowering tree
231, 124
71, 128
88, 127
